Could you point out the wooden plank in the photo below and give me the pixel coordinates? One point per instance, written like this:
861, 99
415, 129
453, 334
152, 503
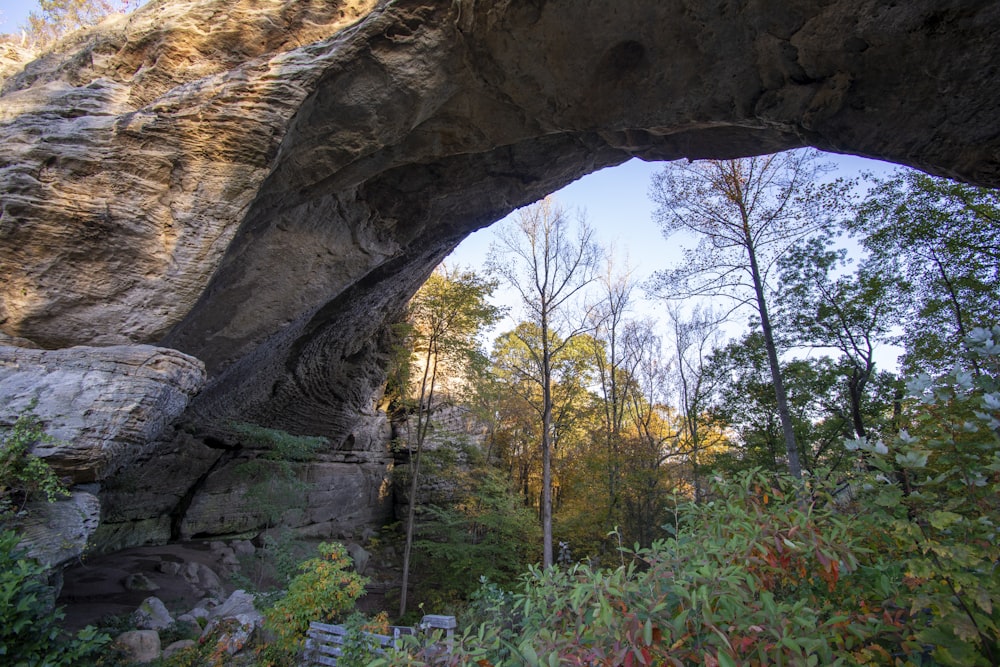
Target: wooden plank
439, 622
327, 627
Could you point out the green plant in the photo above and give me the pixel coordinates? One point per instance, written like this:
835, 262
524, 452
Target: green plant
24, 476
325, 589
487, 532
360, 645
932, 492
756, 576
30, 632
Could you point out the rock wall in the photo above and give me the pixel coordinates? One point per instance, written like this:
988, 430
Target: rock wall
106, 409
262, 184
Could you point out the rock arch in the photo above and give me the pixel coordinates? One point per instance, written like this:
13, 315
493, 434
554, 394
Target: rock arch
263, 184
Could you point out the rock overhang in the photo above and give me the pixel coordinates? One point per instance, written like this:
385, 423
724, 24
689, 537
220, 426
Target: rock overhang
266, 194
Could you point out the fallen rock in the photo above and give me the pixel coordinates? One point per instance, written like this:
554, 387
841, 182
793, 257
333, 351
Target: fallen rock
239, 604
236, 620
177, 646
360, 556
137, 581
152, 614
140, 646
203, 579
56, 533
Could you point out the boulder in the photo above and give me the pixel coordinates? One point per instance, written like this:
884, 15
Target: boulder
59, 532
177, 646
203, 580
104, 407
360, 557
137, 581
152, 614
139, 646
238, 604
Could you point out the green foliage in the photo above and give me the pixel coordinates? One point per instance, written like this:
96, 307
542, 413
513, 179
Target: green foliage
360, 646
273, 489
747, 579
941, 238
768, 571
279, 445
325, 589
487, 533
933, 491
30, 632
24, 476
819, 405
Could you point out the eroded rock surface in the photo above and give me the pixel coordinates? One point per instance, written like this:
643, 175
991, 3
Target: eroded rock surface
104, 407
263, 184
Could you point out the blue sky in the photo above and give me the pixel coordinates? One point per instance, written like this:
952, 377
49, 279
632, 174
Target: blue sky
13, 13
615, 202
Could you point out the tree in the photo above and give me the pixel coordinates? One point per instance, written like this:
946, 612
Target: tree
57, 18
745, 403
446, 317
851, 313
695, 336
572, 405
943, 238
547, 266
615, 363
746, 213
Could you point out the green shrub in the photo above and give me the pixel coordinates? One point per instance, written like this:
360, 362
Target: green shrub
745, 580
30, 632
931, 501
325, 589
24, 476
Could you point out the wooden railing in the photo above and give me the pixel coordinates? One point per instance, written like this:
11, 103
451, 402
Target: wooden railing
325, 641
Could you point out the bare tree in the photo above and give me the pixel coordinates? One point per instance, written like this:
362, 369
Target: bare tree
547, 265
695, 336
615, 364
745, 213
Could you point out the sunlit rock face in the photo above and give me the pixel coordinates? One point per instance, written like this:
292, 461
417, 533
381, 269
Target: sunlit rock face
262, 184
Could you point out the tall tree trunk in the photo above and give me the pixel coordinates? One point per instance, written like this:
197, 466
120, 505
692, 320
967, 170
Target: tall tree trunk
423, 420
784, 414
546, 504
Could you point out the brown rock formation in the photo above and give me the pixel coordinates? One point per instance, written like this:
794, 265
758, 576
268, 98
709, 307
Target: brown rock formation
263, 184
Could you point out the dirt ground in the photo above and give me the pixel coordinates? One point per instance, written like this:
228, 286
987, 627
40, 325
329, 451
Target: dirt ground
95, 588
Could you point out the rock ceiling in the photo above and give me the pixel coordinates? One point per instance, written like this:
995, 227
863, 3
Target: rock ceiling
263, 184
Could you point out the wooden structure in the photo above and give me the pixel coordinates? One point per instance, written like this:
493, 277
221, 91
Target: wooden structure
325, 641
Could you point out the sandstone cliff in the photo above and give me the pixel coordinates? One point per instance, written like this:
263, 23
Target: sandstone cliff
262, 184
